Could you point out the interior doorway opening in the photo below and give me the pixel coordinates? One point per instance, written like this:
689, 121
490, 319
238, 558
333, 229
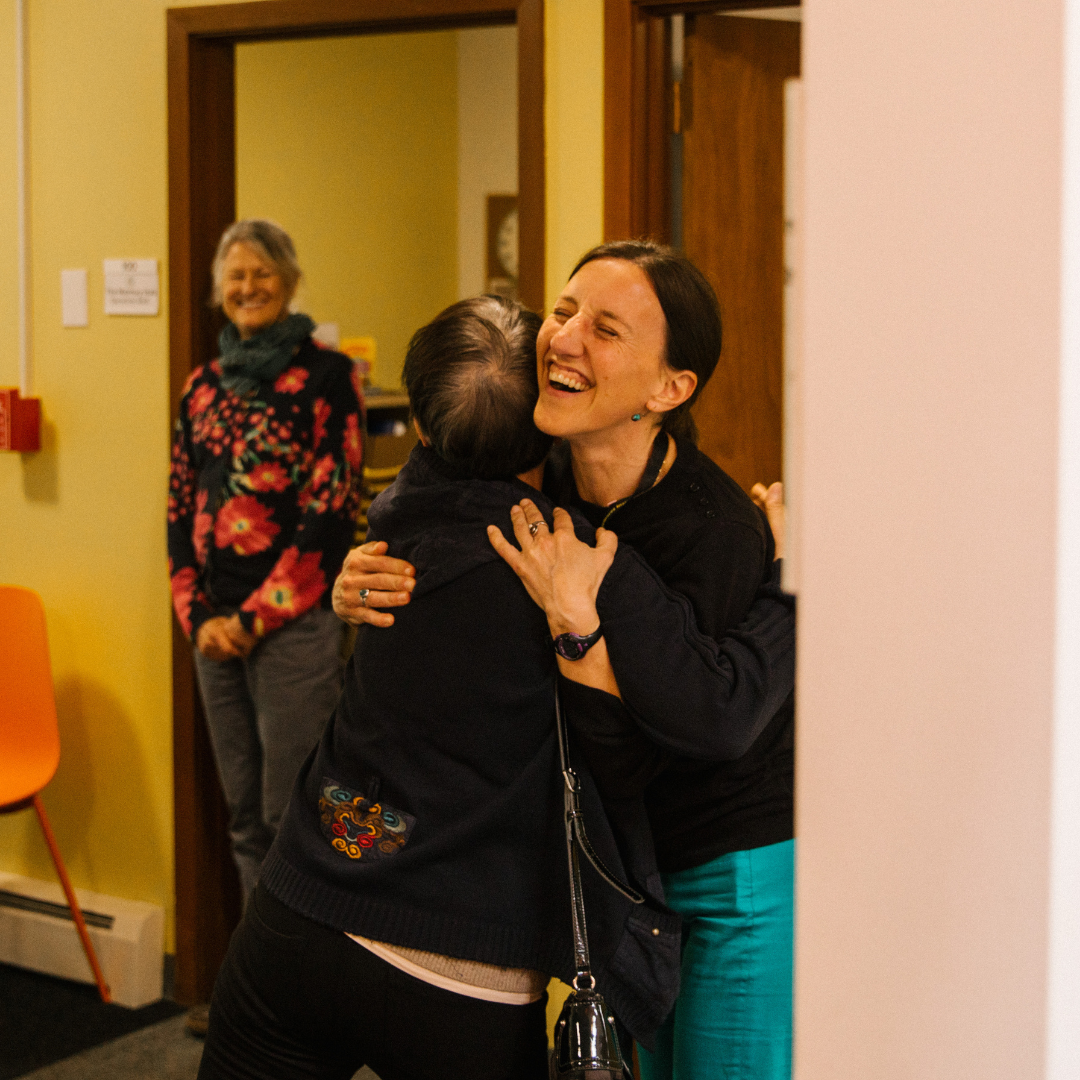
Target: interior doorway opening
381, 156
202, 90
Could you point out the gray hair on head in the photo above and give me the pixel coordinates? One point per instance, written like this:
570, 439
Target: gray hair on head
268, 240
471, 378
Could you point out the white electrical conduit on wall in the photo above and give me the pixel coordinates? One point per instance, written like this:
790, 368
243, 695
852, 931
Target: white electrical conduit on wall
22, 135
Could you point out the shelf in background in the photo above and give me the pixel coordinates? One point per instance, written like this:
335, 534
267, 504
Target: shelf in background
385, 400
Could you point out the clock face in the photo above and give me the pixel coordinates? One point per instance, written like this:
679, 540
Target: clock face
506, 243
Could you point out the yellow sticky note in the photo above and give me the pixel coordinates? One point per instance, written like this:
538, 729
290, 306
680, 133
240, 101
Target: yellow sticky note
362, 351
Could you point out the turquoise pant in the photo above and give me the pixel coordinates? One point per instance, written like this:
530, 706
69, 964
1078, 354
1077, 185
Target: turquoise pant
732, 1020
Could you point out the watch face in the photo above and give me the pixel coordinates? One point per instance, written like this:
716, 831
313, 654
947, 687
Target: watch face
569, 648
575, 646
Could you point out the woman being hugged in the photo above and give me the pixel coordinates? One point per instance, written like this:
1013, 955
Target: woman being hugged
631, 342
263, 496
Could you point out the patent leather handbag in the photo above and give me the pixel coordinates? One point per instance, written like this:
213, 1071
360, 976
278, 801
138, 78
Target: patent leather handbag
586, 1046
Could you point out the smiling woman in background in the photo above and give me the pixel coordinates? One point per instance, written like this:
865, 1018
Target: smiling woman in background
263, 497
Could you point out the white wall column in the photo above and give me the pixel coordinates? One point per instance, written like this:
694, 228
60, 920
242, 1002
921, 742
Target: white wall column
939, 789
1063, 1005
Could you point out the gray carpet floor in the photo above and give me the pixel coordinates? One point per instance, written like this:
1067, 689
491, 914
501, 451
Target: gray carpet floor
160, 1052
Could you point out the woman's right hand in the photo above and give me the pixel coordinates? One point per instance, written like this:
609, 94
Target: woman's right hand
389, 581
215, 641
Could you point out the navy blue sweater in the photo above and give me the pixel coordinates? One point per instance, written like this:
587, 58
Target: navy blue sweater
430, 814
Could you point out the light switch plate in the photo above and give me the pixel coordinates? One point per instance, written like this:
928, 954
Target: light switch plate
75, 311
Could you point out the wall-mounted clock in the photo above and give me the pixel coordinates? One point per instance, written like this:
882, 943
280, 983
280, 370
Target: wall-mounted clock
502, 245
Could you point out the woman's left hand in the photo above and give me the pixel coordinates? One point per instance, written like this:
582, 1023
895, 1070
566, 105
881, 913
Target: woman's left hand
561, 573
771, 500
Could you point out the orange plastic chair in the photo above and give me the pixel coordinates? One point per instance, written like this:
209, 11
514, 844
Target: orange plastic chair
29, 737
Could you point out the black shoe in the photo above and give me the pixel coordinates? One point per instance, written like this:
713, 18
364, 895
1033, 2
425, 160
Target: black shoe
198, 1020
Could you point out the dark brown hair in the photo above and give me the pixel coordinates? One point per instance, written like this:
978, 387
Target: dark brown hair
471, 378
691, 310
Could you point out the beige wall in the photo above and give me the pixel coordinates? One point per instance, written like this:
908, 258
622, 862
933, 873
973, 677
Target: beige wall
926, 665
1063, 979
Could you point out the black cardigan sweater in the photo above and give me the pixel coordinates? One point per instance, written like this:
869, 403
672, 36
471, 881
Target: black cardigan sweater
714, 781
430, 814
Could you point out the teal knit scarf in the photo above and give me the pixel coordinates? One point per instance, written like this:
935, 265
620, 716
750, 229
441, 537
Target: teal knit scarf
263, 356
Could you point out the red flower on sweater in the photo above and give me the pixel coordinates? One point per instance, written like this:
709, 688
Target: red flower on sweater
200, 401
353, 445
321, 473
200, 530
322, 414
294, 585
244, 523
291, 381
183, 590
268, 476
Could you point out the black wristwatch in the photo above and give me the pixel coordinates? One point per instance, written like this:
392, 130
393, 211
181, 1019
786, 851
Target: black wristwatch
575, 646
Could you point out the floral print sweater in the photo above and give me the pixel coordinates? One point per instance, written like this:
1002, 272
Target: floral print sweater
264, 492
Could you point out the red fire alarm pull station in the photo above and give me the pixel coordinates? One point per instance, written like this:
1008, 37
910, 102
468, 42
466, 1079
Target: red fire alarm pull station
20, 421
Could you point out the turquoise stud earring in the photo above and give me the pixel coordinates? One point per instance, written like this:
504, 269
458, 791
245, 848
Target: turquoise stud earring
636, 416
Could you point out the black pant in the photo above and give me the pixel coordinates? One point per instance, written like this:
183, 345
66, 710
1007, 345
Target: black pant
295, 999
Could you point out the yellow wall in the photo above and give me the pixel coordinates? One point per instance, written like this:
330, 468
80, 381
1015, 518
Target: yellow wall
574, 121
351, 145
83, 521
574, 128
487, 141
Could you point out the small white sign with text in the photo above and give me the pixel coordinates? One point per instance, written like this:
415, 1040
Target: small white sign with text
131, 287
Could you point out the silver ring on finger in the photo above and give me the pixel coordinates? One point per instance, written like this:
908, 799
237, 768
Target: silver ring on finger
534, 528
363, 597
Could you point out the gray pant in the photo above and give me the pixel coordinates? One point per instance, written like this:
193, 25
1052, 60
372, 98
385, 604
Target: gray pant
265, 714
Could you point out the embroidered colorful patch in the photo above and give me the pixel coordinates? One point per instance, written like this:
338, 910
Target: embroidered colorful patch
359, 829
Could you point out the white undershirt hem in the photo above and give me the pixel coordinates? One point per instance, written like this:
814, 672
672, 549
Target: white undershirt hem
502, 997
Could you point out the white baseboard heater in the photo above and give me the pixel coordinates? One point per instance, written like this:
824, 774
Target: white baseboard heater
37, 932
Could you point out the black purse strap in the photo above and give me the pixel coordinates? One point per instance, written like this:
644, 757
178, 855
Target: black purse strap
576, 837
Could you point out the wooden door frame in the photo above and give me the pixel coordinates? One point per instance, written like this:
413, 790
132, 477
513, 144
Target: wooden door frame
637, 108
202, 202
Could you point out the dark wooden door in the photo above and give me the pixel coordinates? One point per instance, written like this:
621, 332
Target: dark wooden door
733, 226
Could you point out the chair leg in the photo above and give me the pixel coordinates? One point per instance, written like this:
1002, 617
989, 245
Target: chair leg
69, 892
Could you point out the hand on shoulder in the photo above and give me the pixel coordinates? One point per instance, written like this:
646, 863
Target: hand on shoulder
771, 500
371, 579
